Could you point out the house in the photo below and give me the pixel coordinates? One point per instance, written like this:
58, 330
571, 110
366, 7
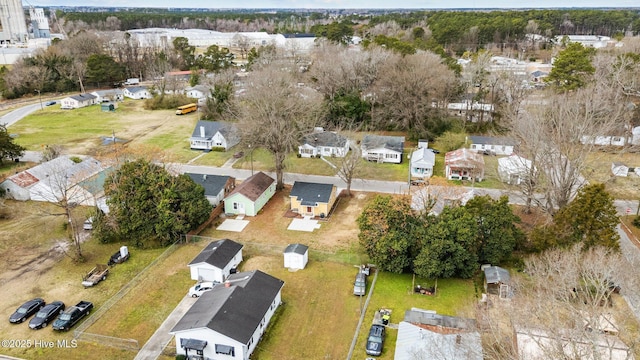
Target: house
471, 110
514, 169
619, 169
433, 199
464, 164
53, 180
251, 195
383, 149
323, 143
198, 92
77, 101
228, 321
137, 92
497, 281
216, 260
422, 162
208, 135
424, 334
216, 187
605, 140
110, 95
93, 189
492, 145
312, 199
296, 256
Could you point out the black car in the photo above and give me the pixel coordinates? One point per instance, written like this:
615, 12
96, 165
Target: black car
27, 309
49, 103
46, 315
375, 340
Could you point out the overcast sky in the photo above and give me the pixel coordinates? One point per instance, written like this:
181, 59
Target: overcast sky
343, 4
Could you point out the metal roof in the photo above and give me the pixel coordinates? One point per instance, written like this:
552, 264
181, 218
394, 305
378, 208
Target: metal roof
496, 275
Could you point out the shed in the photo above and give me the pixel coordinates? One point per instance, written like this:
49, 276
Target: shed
296, 256
619, 169
497, 281
215, 261
108, 107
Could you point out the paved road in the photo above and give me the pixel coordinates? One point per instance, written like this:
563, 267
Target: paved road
631, 289
18, 114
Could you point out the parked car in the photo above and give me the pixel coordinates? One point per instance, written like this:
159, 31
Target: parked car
88, 224
49, 103
435, 151
46, 315
375, 341
72, 315
26, 310
360, 285
199, 289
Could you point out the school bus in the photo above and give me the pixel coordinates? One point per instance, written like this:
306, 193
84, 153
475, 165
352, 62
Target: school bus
185, 109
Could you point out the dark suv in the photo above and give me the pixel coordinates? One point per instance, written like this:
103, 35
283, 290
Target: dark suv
375, 340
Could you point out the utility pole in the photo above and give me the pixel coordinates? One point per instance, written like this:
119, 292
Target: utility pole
40, 98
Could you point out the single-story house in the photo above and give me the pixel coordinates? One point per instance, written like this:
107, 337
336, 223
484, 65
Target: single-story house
137, 92
312, 199
619, 169
433, 199
471, 110
208, 135
324, 143
215, 261
77, 101
110, 95
198, 92
464, 164
296, 256
422, 162
251, 195
492, 145
514, 169
53, 181
383, 149
424, 334
497, 281
216, 187
538, 76
228, 321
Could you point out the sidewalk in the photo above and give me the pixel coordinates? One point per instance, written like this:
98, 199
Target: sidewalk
159, 340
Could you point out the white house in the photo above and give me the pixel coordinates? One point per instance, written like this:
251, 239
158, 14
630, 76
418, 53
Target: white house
208, 135
215, 261
296, 256
514, 169
422, 162
324, 143
604, 140
228, 321
110, 95
216, 187
198, 92
387, 149
137, 92
492, 145
423, 334
619, 169
77, 101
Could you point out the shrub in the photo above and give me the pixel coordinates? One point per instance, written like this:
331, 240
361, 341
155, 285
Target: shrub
167, 102
636, 221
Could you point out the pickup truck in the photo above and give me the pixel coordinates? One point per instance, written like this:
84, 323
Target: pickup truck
72, 315
119, 256
96, 275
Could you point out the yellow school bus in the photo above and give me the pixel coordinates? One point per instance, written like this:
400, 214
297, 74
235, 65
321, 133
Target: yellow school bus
185, 109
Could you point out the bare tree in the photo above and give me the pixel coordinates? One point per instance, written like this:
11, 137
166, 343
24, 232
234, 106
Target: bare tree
276, 114
349, 167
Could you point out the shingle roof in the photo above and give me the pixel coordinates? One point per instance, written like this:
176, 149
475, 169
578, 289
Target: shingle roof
217, 253
423, 155
370, 142
325, 138
296, 248
310, 194
83, 97
235, 311
135, 89
492, 140
212, 184
253, 186
228, 130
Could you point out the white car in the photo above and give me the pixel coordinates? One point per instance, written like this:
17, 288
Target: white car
88, 224
200, 288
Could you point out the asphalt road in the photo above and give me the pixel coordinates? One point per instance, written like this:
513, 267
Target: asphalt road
17, 114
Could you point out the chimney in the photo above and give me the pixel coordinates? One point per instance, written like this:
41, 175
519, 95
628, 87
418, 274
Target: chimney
458, 339
227, 284
201, 131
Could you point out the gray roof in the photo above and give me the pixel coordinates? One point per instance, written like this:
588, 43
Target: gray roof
414, 342
491, 140
212, 184
83, 97
422, 317
218, 253
296, 248
310, 194
424, 156
370, 142
325, 138
496, 275
228, 130
235, 311
135, 89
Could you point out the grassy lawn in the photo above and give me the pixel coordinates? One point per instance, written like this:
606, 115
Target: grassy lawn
599, 170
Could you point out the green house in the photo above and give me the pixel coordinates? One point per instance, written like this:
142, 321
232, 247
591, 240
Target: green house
251, 195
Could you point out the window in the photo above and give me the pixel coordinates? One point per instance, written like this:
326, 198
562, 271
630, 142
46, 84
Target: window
225, 350
306, 151
235, 206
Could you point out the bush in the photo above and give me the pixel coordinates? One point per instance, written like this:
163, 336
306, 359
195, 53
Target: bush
167, 102
636, 221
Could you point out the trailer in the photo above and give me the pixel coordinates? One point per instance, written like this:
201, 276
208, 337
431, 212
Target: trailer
96, 275
119, 256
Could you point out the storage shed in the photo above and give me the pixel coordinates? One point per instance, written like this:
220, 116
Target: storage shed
296, 256
497, 281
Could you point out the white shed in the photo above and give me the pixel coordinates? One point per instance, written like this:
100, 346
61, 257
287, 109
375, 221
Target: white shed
216, 261
296, 256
